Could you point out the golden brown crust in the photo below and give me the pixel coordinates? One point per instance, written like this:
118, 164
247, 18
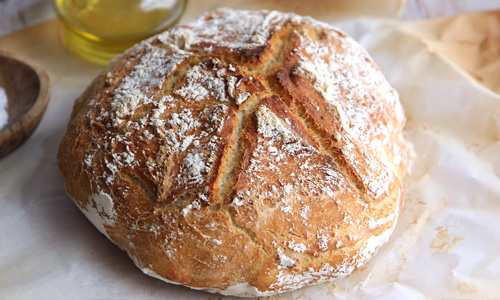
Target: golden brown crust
246, 153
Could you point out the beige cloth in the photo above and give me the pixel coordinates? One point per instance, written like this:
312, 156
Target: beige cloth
447, 241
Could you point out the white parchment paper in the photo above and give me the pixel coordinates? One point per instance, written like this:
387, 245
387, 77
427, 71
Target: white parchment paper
446, 244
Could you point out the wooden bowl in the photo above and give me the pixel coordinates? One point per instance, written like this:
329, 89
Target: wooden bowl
24, 94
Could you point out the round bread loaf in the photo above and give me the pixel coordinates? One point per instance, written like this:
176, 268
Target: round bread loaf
245, 152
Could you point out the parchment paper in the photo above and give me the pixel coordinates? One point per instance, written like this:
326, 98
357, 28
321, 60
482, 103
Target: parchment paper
447, 241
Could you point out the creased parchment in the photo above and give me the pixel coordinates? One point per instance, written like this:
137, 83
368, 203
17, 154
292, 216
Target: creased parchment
470, 41
447, 241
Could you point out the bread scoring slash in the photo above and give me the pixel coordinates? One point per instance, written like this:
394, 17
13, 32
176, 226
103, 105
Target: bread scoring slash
247, 153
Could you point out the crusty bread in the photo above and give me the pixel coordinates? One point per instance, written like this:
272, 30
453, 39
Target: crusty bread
245, 153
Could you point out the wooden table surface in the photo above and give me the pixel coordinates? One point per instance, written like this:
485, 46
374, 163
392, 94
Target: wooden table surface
16, 14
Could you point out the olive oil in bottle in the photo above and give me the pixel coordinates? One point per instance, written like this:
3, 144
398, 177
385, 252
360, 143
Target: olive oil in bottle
98, 30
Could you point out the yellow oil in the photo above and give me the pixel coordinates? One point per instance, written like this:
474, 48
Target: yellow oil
98, 30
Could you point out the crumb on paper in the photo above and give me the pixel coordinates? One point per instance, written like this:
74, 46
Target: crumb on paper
443, 241
467, 288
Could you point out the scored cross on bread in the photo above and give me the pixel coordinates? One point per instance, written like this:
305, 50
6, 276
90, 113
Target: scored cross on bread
244, 152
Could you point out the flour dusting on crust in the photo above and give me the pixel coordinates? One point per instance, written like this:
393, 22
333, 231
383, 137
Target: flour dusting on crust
261, 149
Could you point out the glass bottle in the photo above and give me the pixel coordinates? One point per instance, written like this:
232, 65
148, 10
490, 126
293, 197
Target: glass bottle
98, 30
